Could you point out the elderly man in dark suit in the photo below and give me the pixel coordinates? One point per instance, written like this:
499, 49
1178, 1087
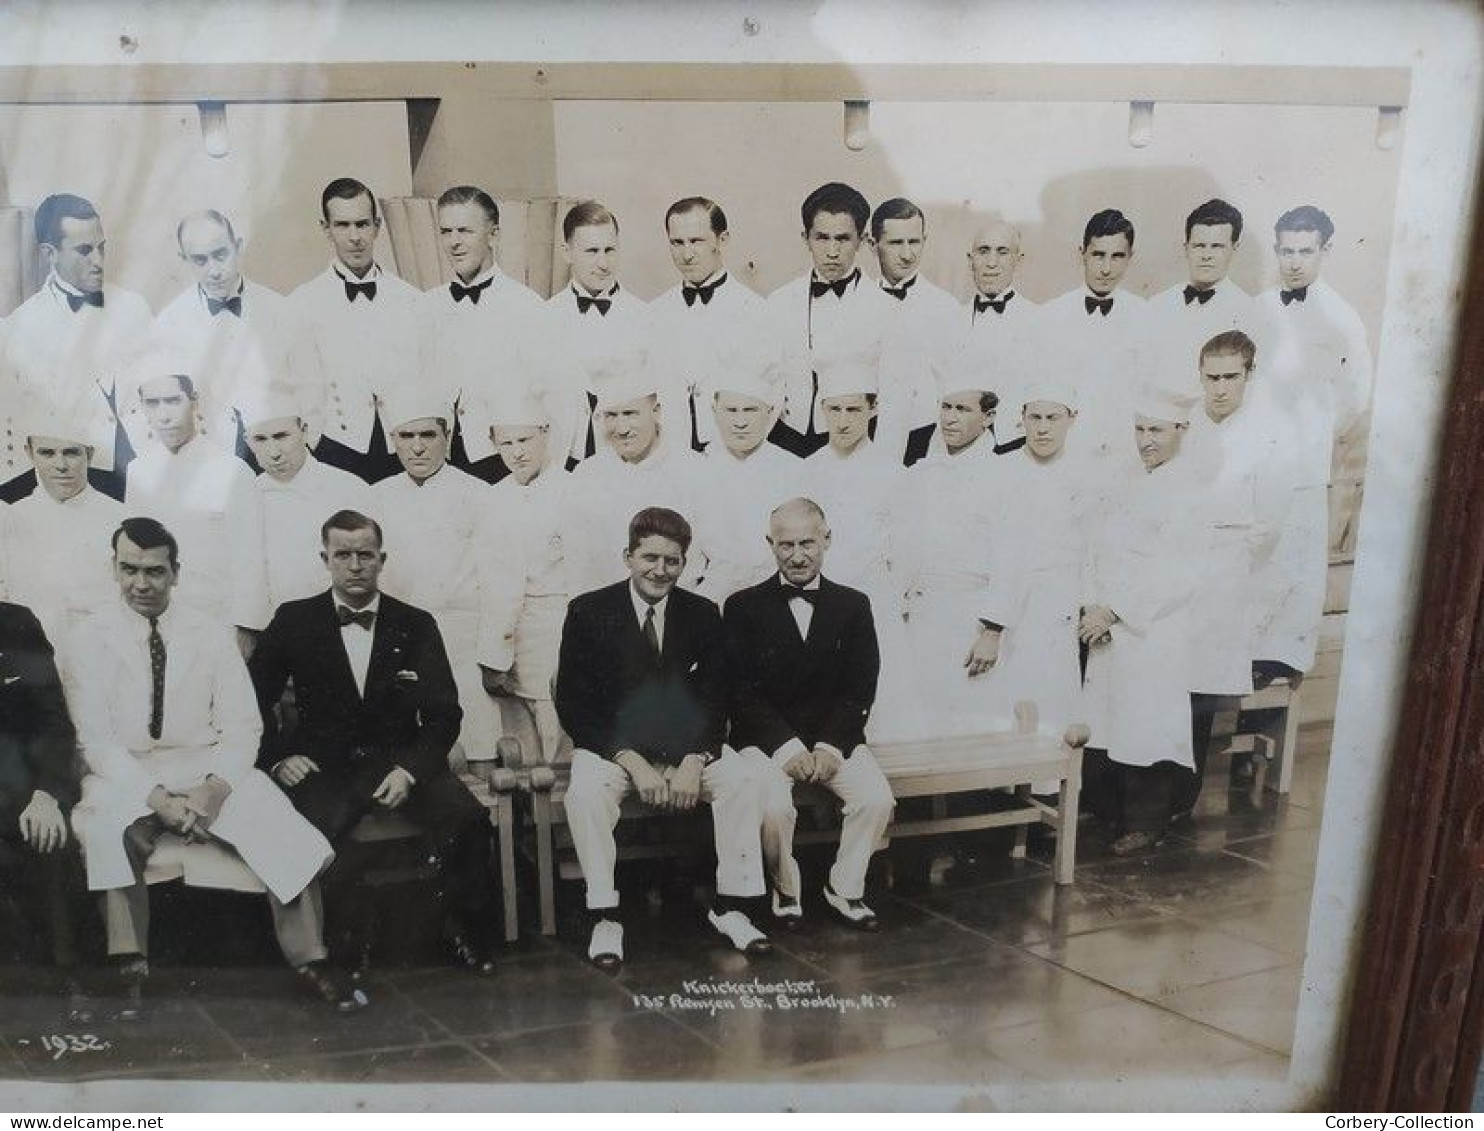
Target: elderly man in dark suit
38, 782
377, 714
802, 659
641, 689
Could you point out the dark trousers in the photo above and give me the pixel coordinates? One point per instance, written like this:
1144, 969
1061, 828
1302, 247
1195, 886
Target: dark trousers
1131, 798
43, 888
454, 824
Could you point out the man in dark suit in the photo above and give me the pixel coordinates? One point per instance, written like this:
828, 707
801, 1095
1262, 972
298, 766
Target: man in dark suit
377, 713
38, 784
641, 690
802, 659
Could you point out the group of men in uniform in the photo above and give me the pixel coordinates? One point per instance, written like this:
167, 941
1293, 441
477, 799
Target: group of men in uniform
439, 517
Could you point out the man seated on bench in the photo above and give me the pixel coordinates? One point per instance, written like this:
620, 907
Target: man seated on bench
168, 727
641, 689
378, 712
802, 660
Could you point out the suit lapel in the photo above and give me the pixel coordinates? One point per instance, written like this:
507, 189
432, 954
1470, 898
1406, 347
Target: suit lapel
822, 623
337, 660
388, 646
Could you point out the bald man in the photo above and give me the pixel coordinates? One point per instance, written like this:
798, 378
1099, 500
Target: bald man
994, 260
231, 334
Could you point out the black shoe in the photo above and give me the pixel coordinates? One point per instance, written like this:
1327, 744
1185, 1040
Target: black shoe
788, 914
130, 972
1133, 843
332, 987
472, 957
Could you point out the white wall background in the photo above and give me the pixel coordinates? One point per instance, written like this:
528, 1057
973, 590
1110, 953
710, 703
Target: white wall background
145, 167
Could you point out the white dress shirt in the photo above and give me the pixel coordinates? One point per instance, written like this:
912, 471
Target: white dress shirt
1184, 327
643, 608
358, 640
801, 610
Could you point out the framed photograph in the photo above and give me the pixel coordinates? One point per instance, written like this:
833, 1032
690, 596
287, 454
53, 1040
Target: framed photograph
1157, 189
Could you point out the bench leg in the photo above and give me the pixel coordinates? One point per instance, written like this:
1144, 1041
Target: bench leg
545, 862
504, 816
1022, 832
1287, 749
1065, 863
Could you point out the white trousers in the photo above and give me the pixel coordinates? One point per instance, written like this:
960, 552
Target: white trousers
731, 785
863, 788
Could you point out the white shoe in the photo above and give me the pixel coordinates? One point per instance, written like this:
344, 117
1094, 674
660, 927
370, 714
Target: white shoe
740, 932
605, 950
853, 911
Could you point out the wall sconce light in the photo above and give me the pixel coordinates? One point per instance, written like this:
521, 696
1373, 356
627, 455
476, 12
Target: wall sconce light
1140, 124
857, 125
1388, 126
214, 128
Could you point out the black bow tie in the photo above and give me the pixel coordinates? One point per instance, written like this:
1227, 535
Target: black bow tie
363, 617
818, 288
997, 304
461, 292
1298, 294
215, 306
77, 302
1194, 293
703, 292
355, 290
899, 293
1101, 305
587, 302
792, 591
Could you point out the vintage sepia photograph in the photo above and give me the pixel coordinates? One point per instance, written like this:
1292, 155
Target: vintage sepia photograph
767, 567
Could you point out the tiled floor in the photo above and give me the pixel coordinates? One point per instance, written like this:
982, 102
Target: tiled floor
1188, 958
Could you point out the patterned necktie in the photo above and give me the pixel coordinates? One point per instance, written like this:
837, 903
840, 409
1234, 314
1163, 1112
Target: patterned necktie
77, 302
1194, 293
997, 304
355, 290
818, 288
461, 292
900, 293
1101, 305
651, 635
363, 617
586, 303
156, 679
232, 305
704, 292
1298, 294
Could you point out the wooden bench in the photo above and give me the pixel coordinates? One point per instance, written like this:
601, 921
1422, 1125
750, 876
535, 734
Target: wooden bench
1265, 725
937, 769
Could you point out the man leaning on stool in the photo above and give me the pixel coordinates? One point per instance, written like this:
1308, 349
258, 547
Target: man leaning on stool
641, 689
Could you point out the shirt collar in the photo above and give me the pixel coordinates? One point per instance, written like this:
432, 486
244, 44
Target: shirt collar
909, 281
488, 275
373, 606
66, 288
641, 606
346, 277
1007, 293
581, 292
238, 293
786, 584
710, 280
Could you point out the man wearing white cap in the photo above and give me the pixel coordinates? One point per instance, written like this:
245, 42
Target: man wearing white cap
746, 477
706, 318
430, 514
1151, 555
994, 258
361, 320
230, 333
638, 464
207, 499
56, 559
829, 316
298, 493
476, 330
68, 343
923, 327
521, 559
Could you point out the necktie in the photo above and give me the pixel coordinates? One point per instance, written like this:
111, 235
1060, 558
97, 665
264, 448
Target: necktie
703, 292
900, 293
156, 679
461, 292
794, 592
77, 302
1298, 294
232, 305
818, 288
1101, 305
651, 635
363, 617
354, 290
997, 304
587, 302
1194, 293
